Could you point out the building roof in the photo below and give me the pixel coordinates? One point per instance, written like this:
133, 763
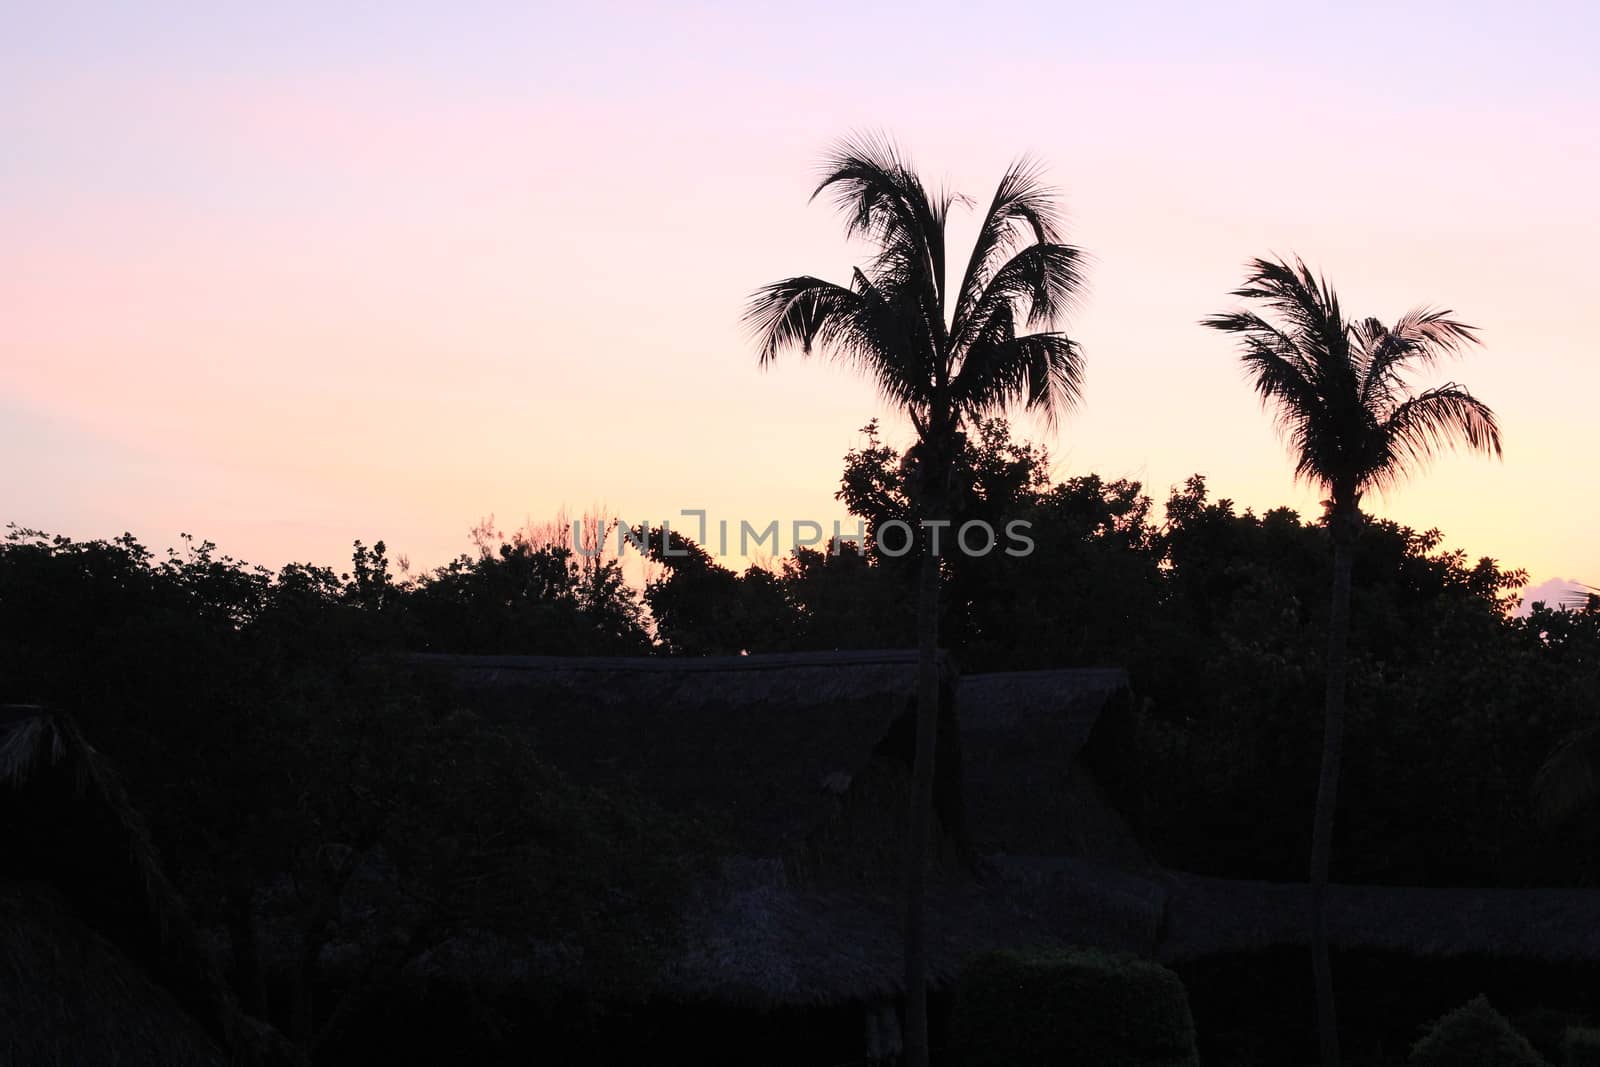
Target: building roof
1211, 916
78, 873
794, 758
787, 751
761, 744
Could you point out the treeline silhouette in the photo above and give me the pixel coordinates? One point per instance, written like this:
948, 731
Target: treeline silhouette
279, 762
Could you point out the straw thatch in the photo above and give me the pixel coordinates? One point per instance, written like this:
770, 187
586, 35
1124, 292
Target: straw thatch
100, 961
797, 759
744, 743
1029, 790
754, 937
1210, 916
765, 746
803, 762
71, 997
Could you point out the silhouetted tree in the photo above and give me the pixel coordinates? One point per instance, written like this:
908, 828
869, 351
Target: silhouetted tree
1338, 389
702, 608
1568, 783
1076, 586
944, 358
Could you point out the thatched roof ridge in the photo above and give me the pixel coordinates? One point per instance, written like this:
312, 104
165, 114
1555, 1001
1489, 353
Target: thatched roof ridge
1003, 699
71, 831
668, 664
795, 680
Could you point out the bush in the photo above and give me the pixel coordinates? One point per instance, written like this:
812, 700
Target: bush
1077, 1006
1546, 1029
1474, 1035
1581, 1047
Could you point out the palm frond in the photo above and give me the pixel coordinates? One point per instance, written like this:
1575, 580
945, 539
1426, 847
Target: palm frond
1433, 421
792, 312
1580, 598
884, 201
1044, 281
860, 326
1289, 384
1023, 208
1261, 334
1043, 371
1337, 389
1280, 377
1300, 298
1422, 337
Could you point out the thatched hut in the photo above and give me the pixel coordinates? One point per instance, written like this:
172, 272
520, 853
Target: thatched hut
775, 747
98, 960
802, 763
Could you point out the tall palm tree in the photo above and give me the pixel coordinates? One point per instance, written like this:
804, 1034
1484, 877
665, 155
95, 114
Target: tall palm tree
1339, 391
946, 358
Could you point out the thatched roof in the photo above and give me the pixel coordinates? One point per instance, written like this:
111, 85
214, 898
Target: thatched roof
754, 937
763, 743
744, 742
797, 756
783, 748
1027, 790
71, 997
1209, 916
79, 873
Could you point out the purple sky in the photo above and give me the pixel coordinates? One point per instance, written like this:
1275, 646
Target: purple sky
284, 279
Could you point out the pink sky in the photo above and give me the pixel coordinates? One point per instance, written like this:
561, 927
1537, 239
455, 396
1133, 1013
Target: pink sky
284, 280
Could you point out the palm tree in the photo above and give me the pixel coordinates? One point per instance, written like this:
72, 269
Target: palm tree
946, 358
1580, 598
1339, 392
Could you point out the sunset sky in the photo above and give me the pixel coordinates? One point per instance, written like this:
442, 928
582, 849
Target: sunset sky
287, 275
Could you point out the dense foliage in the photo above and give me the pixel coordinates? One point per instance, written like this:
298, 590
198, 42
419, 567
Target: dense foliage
1581, 1047
309, 796
1015, 1009
1473, 1035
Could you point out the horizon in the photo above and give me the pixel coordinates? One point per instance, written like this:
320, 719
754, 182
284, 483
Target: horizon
287, 280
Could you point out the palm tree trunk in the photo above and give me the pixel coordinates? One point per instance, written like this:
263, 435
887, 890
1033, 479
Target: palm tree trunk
1328, 787
921, 816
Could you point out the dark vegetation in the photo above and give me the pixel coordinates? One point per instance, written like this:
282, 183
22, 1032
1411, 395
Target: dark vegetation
1072, 1006
1474, 1034
290, 778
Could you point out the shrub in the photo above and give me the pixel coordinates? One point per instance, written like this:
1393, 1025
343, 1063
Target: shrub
1474, 1035
1581, 1047
1071, 1006
1546, 1029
